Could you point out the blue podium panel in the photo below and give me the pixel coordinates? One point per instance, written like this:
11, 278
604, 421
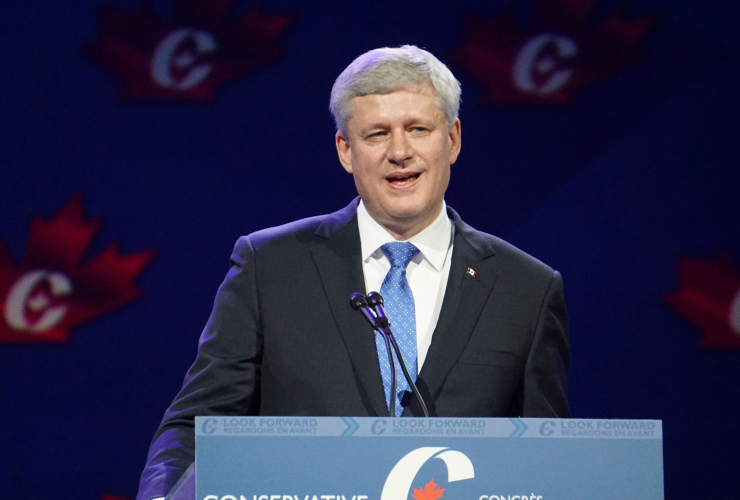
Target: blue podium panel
331, 458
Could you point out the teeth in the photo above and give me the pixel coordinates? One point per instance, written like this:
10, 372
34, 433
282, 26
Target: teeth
402, 179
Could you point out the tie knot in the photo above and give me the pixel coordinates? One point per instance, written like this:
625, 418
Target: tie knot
399, 253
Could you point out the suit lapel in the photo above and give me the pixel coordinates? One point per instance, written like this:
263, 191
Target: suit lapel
464, 300
337, 254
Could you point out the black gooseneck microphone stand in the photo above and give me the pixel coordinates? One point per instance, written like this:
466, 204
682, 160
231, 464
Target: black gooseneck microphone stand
371, 308
359, 303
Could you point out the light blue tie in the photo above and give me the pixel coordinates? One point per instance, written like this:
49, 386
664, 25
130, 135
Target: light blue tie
399, 307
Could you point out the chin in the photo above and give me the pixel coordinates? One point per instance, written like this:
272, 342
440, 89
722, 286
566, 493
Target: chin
404, 210
407, 214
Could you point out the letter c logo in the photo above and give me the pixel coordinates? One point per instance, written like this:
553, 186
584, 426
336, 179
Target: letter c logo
398, 484
735, 314
166, 57
547, 428
378, 427
21, 296
530, 62
209, 426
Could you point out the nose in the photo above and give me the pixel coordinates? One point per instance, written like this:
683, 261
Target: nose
400, 150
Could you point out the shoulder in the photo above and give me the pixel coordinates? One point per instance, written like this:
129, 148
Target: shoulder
522, 282
518, 259
293, 235
509, 259
296, 231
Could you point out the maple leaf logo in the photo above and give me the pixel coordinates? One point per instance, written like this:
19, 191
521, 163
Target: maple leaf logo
429, 492
709, 297
113, 497
191, 54
51, 291
562, 52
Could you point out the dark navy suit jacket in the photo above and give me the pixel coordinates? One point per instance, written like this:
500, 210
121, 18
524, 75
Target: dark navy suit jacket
283, 340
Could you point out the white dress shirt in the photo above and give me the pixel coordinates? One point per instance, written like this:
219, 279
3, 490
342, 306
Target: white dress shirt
427, 272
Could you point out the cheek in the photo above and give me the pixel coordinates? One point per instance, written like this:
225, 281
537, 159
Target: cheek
368, 165
441, 174
365, 179
364, 160
440, 162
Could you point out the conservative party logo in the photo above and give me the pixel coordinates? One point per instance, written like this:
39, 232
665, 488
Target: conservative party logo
209, 426
562, 51
547, 428
709, 297
53, 290
378, 427
199, 48
401, 478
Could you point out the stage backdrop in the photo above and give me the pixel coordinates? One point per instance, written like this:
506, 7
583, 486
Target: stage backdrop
139, 140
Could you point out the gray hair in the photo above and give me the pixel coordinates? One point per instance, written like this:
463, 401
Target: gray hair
382, 71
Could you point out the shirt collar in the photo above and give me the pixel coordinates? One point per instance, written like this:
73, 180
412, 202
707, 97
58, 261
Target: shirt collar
433, 242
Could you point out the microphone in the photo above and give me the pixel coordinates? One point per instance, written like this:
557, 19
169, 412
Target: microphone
381, 323
358, 302
375, 300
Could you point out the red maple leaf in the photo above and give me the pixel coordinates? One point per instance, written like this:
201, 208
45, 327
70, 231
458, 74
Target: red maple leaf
52, 290
709, 297
562, 51
429, 492
190, 55
113, 497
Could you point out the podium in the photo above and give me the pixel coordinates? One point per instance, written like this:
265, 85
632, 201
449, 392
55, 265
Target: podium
332, 458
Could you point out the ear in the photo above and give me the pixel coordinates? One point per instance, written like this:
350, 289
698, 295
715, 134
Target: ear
344, 151
454, 135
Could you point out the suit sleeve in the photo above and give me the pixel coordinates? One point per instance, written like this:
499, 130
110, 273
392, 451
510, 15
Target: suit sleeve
544, 390
223, 380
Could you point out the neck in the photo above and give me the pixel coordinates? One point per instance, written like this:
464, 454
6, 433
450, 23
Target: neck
401, 233
403, 229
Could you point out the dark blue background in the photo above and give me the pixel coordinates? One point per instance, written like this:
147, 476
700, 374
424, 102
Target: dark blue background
611, 191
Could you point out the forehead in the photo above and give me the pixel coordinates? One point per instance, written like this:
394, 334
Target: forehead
407, 103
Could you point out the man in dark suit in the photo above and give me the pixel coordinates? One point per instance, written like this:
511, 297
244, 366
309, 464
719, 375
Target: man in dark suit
483, 326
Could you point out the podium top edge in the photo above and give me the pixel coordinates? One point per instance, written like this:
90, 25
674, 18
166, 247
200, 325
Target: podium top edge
292, 426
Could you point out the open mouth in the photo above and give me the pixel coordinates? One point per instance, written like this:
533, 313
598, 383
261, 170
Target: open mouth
403, 179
